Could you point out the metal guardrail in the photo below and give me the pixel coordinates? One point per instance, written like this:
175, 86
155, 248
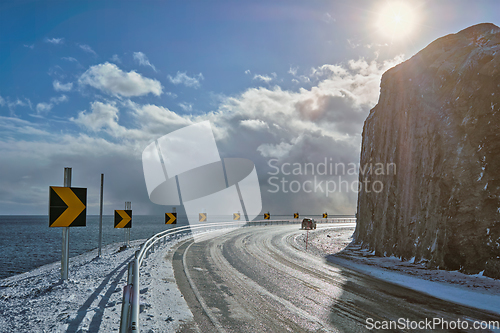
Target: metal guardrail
129, 320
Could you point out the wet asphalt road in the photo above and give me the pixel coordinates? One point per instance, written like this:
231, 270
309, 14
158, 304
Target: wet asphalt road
257, 279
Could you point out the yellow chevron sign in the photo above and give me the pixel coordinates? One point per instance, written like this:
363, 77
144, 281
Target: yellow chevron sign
325, 215
295, 215
123, 218
267, 216
236, 216
170, 218
203, 217
67, 207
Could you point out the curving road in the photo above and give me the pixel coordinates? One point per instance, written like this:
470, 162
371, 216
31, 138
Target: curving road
258, 279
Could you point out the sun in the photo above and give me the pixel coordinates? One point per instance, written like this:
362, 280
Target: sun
396, 20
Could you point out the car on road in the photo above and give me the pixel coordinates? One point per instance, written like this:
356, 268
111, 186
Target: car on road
308, 224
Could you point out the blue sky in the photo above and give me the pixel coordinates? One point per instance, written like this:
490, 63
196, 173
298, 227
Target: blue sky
89, 84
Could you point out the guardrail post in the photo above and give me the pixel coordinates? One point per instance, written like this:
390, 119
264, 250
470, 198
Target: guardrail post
130, 272
126, 306
135, 299
124, 322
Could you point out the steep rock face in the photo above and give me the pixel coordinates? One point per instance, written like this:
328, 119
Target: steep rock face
438, 121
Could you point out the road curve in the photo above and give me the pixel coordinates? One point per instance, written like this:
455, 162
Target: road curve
257, 279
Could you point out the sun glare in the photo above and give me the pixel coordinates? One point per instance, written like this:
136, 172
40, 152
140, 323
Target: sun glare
396, 20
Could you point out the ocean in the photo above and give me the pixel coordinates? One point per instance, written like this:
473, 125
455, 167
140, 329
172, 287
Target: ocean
27, 242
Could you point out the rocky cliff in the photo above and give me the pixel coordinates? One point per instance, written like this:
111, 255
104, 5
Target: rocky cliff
430, 187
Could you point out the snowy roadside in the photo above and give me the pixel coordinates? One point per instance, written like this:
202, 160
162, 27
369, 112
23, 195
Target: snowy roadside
90, 301
470, 290
163, 308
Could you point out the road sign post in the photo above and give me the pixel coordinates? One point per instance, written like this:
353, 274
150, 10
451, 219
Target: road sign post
100, 216
123, 219
128, 206
65, 234
67, 208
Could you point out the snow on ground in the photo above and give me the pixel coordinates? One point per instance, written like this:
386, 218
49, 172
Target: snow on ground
471, 290
91, 299
163, 308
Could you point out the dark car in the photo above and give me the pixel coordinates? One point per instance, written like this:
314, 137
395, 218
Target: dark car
308, 224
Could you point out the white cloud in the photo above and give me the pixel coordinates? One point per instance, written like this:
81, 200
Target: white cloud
353, 44
247, 72
182, 78
335, 70
87, 49
157, 120
275, 151
112, 80
29, 46
17, 102
60, 99
54, 41
361, 79
43, 107
143, 60
43, 159
70, 59
304, 125
254, 124
327, 18
58, 86
116, 58
12, 105
16, 125
187, 107
2, 101
102, 116
29, 103
263, 78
